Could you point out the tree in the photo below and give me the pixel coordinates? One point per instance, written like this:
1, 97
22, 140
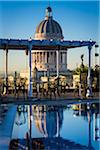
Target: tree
81, 69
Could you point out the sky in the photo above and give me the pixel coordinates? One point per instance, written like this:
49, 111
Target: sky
79, 20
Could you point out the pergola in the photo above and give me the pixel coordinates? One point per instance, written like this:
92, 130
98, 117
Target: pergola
31, 45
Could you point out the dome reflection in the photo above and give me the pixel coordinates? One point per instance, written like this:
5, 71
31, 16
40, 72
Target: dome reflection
48, 120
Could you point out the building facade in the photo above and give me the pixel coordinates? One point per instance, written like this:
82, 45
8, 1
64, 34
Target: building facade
46, 61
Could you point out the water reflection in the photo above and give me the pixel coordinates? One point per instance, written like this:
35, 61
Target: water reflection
91, 113
48, 120
20, 115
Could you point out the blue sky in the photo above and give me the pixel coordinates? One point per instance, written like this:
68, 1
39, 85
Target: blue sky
79, 21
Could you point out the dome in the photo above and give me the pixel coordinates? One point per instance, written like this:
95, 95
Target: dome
48, 28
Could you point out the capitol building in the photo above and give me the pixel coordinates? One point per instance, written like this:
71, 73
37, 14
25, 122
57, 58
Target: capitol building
45, 61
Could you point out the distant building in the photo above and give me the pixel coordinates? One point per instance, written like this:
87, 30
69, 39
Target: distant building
76, 80
24, 74
11, 78
46, 61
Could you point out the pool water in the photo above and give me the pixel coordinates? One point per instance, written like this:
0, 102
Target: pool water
75, 125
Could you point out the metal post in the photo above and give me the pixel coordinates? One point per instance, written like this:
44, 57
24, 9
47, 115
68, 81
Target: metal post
30, 72
89, 90
6, 70
57, 64
66, 59
15, 81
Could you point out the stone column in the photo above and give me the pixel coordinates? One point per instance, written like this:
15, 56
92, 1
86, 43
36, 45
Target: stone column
33, 58
66, 59
89, 90
49, 57
38, 57
53, 56
42, 57
45, 57
57, 62
63, 58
